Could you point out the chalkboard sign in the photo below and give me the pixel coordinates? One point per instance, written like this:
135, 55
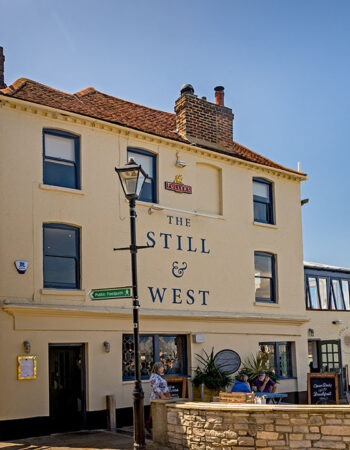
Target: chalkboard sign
177, 386
322, 388
228, 361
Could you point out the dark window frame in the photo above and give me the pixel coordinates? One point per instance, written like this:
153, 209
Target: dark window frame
277, 359
77, 284
50, 159
329, 276
270, 206
273, 298
153, 156
156, 354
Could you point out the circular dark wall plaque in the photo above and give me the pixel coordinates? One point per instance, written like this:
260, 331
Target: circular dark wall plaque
228, 361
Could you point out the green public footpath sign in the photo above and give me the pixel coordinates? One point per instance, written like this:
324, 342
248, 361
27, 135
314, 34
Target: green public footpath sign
107, 294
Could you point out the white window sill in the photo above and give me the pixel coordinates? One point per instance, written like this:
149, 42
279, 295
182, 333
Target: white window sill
49, 187
154, 207
267, 304
266, 225
63, 292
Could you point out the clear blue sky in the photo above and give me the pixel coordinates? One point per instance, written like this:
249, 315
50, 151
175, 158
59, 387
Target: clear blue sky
284, 63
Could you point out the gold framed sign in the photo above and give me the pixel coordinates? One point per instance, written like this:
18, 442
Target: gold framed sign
26, 367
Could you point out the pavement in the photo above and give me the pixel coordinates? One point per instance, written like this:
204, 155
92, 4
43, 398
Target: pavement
79, 440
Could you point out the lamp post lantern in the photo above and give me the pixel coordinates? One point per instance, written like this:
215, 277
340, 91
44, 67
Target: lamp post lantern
132, 178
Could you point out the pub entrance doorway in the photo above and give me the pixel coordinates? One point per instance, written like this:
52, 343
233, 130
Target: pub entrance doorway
325, 356
67, 387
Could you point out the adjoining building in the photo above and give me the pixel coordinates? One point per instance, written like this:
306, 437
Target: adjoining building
226, 270
328, 306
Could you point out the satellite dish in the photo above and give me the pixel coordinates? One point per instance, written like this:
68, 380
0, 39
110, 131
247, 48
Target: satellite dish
228, 361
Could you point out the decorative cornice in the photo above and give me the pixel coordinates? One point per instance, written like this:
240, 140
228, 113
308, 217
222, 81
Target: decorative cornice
16, 309
70, 117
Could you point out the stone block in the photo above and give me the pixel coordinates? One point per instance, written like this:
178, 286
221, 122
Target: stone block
278, 443
282, 422
284, 428
260, 443
331, 444
313, 436
316, 420
268, 435
296, 436
334, 421
298, 421
336, 430
300, 429
314, 429
245, 441
300, 444
230, 434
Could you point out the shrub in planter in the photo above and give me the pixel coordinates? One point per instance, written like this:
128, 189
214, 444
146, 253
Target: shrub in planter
210, 376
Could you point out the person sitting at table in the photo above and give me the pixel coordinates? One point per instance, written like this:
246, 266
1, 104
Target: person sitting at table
241, 384
264, 383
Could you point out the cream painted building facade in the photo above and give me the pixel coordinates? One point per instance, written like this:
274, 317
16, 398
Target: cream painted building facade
197, 286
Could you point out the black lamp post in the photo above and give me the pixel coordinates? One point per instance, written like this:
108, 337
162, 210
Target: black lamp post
132, 178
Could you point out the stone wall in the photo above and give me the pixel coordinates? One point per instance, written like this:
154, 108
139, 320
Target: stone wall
200, 426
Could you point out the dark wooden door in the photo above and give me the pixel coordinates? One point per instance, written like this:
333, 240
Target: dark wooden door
67, 387
329, 354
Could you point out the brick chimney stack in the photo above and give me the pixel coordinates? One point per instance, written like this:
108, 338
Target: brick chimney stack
202, 122
219, 95
2, 69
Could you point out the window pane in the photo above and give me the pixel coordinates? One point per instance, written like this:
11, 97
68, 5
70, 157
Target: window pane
147, 192
261, 212
64, 175
322, 284
313, 293
261, 189
263, 265
145, 161
345, 286
284, 361
60, 242
171, 353
59, 147
267, 351
146, 355
337, 293
263, 288
59, 271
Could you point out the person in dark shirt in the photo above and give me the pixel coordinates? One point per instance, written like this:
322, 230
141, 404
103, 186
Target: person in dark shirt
241, 384
264, 383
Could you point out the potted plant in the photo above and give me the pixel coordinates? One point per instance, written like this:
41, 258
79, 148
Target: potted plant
253, 364
208, 378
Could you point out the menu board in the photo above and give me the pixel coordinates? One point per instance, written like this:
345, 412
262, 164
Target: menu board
177, 386
26, 367
322, 388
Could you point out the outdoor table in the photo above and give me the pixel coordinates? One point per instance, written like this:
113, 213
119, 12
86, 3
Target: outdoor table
275, 397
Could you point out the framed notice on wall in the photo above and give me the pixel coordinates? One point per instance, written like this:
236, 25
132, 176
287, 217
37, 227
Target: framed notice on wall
26, 367
177, 386
322, 388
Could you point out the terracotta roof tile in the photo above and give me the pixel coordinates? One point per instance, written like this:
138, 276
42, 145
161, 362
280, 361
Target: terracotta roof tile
98, 105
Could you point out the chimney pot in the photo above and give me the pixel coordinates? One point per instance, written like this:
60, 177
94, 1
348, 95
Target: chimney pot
186, 89
219, 95
2, 69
